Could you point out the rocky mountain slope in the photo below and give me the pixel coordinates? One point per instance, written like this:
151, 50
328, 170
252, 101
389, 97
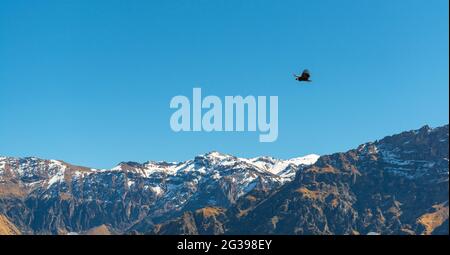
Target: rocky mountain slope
7, 228
397, 185
51, 196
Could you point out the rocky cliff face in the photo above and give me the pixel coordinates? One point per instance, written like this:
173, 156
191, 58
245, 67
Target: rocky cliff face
7, 228
397, 185
51, 196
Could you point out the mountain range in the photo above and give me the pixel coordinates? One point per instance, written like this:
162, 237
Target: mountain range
396, 185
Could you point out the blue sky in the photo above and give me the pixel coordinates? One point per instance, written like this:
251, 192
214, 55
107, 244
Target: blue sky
90, 82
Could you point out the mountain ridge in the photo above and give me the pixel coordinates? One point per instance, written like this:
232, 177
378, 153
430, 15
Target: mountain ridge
395, 185
164, 189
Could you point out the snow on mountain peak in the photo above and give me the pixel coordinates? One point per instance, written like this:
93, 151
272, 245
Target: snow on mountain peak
305, 160
217, 155
215, 159
283, 168
165, 178
210, 179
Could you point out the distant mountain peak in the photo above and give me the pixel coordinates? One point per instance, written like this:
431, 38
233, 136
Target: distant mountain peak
370, 189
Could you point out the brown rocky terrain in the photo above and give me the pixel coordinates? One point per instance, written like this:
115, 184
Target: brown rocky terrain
397, 185
7, 228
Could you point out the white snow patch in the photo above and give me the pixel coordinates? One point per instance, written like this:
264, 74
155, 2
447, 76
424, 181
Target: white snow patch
216, 175
305, 160
157, 190
2, 167
59, 177
117, 168
217, 155
278, 167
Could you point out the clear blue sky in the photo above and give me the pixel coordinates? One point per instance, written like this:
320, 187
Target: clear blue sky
90, 82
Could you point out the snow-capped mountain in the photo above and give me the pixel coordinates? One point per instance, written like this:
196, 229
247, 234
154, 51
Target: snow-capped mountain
32, 170
396, 185
164, 189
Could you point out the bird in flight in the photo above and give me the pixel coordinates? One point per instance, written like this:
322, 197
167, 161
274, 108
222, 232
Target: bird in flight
303, 77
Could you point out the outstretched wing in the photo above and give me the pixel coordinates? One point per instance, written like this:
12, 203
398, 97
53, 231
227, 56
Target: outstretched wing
305, 74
